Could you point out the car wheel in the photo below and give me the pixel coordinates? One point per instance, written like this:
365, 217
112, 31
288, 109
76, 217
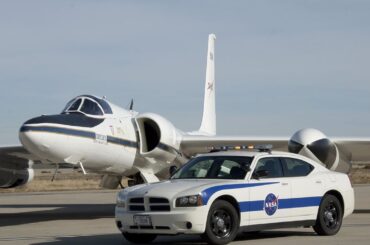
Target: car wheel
222, 223
139, 238
330, 216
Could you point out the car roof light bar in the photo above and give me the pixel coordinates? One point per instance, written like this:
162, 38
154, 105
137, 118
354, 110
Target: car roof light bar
260, 148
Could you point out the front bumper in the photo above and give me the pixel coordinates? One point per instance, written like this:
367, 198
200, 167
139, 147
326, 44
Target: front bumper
167, 223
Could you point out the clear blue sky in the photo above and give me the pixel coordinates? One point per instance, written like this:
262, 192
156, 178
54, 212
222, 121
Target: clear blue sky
280, 65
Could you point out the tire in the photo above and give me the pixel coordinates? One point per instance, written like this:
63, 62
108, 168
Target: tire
139, 238
222, 223
330, 216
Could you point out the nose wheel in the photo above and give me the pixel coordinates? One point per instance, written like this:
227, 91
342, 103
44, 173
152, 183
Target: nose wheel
135, 179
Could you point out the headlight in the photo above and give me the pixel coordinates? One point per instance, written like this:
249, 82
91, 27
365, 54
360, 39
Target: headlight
121, 199
189, 201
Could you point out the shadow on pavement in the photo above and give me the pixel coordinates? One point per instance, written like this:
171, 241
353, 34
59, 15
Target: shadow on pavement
361, 211
58, 212
113, 239
273, 234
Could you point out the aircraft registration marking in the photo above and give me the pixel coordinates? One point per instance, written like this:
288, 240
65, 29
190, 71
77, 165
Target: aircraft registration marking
101, 138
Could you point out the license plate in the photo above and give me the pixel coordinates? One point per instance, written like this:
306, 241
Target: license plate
142, 220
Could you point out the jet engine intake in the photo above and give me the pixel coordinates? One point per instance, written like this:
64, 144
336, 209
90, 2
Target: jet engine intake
158, 137
313, 144
10, 178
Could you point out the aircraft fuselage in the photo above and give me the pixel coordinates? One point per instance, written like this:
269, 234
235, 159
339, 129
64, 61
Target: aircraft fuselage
106, 143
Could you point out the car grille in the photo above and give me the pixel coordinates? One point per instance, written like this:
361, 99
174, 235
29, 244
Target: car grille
158, 204
157, 200
136, 204
135, 227
137, 200
137, 208
153, 204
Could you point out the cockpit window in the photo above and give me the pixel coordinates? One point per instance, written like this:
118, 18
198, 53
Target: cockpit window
68, 105
90, 107
75, 105
87, 105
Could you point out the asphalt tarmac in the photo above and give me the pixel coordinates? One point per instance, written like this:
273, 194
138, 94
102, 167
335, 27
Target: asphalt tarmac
86, 217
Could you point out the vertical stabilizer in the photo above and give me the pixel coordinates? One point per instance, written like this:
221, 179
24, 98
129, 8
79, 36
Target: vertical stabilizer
208, 125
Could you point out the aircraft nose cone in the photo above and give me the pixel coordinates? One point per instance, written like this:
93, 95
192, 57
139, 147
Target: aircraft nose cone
32, 140
36, 120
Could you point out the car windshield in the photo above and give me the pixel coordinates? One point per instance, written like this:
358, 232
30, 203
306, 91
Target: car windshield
215, 167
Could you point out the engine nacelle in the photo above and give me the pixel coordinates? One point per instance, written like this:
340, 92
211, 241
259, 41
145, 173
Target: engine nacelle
10, 178
313, 144
159, 139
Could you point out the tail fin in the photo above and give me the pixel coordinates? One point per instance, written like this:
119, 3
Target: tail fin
208, 125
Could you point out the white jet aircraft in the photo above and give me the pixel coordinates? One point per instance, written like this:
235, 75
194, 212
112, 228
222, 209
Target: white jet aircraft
100, 137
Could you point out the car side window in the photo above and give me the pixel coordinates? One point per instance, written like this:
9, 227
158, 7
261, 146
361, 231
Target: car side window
269, 167
231, 170
296, 167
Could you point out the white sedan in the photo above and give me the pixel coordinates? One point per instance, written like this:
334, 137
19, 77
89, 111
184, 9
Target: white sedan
218, 194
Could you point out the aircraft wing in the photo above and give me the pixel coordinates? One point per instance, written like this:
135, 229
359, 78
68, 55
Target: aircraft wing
15, 166
193, 144
15, 157
359, 148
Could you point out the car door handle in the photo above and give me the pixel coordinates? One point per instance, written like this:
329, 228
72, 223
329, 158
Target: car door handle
318, 182
284, 183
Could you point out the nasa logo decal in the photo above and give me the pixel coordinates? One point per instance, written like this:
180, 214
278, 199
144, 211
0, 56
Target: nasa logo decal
271, 204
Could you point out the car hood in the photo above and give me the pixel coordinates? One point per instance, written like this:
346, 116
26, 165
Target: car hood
174, 188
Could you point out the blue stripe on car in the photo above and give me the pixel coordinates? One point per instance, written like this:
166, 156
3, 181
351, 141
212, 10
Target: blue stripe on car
299, 202
207, 193
251, 206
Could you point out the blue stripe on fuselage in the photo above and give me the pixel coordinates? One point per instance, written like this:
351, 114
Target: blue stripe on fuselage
79, 133
72, 119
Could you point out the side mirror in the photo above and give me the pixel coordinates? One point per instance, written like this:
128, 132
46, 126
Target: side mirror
260, 174
172, 170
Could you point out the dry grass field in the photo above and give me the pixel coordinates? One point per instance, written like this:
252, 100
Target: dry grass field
68, 179
360, 174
